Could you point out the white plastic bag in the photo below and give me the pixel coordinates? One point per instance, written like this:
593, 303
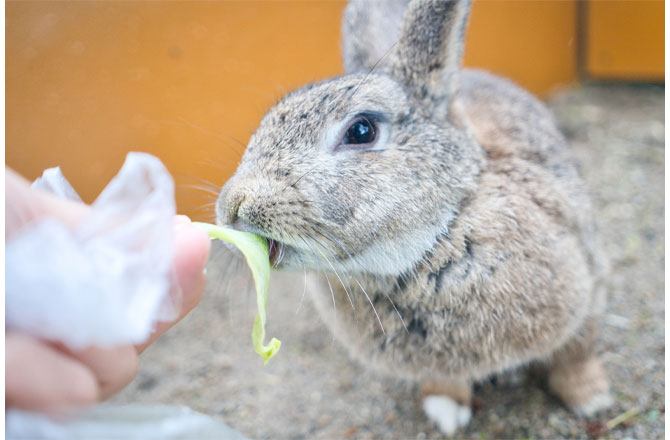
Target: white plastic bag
107, 282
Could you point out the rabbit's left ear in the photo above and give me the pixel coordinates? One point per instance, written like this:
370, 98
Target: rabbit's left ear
428, 55
370, 29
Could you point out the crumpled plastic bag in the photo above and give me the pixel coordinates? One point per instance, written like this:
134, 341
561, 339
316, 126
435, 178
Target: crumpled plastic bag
105, 283
53, 181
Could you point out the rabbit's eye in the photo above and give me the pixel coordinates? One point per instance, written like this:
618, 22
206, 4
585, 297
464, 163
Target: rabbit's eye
361, 131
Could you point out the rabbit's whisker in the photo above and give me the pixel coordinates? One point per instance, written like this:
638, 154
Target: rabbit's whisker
374, 309
332, 238
372, 69
209, 184
207, 208
205, 189
282, 249
224, 137
304, 289
229, 263
334, 270
344, 248
332, 293
211, 163
396, 310
346, 290
303, 175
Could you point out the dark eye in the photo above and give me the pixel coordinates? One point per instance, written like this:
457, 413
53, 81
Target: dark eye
362, 131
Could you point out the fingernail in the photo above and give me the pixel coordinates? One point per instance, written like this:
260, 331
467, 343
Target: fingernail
181, 220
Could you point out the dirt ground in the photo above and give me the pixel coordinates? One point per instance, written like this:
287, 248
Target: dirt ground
313, 390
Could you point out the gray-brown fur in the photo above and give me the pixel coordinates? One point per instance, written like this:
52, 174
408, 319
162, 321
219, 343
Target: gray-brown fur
454, 249
370, 29
427, 57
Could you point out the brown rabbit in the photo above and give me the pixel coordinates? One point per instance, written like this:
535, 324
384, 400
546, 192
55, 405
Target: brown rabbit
441, 204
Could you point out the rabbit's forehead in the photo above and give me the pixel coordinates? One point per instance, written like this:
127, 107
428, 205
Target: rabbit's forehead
333, 100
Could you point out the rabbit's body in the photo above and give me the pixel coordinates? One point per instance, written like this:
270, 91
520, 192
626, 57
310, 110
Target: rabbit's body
447, 230
513, 277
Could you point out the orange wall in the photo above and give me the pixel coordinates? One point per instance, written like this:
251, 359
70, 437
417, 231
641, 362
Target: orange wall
532, 42
86, 82
624, 39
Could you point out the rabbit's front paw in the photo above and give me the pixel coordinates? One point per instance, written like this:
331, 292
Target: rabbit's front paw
446, 413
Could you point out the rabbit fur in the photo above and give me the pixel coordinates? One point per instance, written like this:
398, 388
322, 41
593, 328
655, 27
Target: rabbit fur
458, 245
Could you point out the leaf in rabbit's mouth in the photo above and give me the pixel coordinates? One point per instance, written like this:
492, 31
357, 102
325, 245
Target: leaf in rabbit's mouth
255, 250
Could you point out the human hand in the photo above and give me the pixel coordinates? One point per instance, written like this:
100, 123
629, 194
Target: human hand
45, 376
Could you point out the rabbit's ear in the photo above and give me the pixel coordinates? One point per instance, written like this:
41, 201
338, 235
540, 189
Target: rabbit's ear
370, 28
427, 57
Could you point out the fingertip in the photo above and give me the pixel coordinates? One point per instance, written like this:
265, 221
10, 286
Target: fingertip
191, 251
181, 219
192, 243
192, 248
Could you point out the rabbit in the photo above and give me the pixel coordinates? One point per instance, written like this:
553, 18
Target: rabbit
446, 231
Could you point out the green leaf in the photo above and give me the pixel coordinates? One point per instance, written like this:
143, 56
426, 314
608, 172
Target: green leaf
255, 251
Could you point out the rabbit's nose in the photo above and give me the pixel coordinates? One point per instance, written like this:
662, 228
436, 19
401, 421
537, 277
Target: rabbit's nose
228, 207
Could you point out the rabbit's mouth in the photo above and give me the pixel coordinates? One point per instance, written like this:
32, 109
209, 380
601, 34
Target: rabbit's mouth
277, 251
273, 249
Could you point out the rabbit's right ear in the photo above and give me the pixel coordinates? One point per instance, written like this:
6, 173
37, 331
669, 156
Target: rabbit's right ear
427, 57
